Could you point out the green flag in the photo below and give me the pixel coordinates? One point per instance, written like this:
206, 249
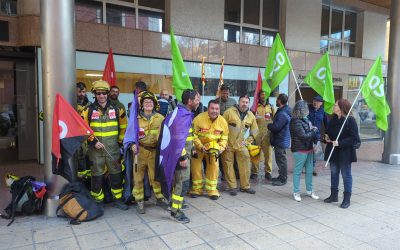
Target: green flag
320, 79
373, 91
278, 66
180, 77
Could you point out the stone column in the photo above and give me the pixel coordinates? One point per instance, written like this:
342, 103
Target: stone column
391, 153
59, 64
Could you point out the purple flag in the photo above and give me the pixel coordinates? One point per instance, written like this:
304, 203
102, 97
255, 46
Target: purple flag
132, 131
171, 142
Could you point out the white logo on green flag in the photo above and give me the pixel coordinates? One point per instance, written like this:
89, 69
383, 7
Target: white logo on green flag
320, 79
373, 91
180, 77
278, 66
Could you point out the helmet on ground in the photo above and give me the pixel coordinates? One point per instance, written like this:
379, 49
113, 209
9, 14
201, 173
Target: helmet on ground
148, 95
213, 148
100, 85
254, 150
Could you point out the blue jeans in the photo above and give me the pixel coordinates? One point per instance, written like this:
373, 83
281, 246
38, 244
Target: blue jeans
303, 160
346, 174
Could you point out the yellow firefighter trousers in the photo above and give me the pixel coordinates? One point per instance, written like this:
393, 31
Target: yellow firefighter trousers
266, 150
211, 174
146, 162
243, 161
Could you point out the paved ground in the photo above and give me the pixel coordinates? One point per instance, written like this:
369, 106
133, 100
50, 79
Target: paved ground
271, 219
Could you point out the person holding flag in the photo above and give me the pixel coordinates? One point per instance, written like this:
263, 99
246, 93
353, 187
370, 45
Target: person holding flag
109, 125
174, 152
264, 113
149, 130
342, 135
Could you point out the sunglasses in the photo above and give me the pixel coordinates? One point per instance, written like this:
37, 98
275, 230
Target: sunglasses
101, 93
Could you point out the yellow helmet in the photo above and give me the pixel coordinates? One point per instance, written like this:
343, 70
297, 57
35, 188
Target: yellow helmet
213, 148
254, 150
148, 95
100, 85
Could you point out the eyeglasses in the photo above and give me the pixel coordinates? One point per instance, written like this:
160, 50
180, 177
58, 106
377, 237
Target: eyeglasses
101, 93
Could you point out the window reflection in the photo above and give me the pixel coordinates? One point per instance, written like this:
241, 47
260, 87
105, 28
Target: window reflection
267, 38
336, 24
121, 16
91, 12
149, 20
350, 26
251, 36
251, 12
271, 14
231, 33
232, 11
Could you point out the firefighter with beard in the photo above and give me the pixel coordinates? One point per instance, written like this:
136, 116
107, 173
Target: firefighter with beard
109, 125
149, 131
239, 120
210, 138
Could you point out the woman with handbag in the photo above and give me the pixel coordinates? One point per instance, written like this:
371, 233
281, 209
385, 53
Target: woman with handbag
344, 152
303, 135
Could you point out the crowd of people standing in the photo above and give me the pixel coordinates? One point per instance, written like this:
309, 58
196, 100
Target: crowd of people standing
226, 140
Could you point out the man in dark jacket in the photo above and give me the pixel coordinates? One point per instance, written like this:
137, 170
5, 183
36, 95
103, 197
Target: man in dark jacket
280, 138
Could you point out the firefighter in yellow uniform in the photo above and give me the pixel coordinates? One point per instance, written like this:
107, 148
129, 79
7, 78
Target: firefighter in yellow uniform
239, 120
149, 130
210, 138
264, 115
109, 125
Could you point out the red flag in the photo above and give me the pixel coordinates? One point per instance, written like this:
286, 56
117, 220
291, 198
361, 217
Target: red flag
109, 70
258, 88
69, 132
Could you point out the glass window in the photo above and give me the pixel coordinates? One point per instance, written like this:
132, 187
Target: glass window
91, 12
251, 36
231, 33
251, 12
350, 26
8, 7
271, 14
157, 4
323, 44
232, 11
267, 38
325, 22
121, 16
336, 24
348, 49
149, 20
335, 48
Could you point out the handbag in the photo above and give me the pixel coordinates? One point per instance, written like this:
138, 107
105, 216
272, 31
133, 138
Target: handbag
318, 152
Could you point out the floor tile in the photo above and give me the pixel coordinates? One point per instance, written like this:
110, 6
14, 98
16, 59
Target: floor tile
147, 244
182, 239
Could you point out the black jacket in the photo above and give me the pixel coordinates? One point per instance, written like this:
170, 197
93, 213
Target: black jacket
345, 153
302, 136
280, 134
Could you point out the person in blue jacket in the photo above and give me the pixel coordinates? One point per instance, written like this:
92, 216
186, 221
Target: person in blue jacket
280, 138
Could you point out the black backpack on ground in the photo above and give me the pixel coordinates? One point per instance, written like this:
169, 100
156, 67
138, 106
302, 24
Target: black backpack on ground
77, 204
24, 200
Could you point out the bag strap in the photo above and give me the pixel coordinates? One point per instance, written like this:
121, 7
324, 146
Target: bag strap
62, 205
16, 199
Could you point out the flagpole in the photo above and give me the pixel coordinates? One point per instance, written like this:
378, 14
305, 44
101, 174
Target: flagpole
298, 87
341, 129
294, 91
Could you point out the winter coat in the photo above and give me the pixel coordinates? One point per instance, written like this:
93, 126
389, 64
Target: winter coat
345, 153
280, 133
318, 118
302, 136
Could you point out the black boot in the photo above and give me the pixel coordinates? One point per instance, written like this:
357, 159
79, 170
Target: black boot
346, 200
333, 197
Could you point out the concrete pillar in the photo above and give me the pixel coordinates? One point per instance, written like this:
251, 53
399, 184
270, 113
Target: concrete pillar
391, 152
59, 64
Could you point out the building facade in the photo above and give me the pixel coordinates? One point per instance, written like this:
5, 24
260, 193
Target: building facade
240, 31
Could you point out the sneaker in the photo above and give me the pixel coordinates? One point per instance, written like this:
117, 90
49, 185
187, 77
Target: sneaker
297, 197
276, 178
214, 197
312, 195
314, 173
249, 191
194, 195
253, 176
233, 191
268, 176
120, 205
140, 207
180, 217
